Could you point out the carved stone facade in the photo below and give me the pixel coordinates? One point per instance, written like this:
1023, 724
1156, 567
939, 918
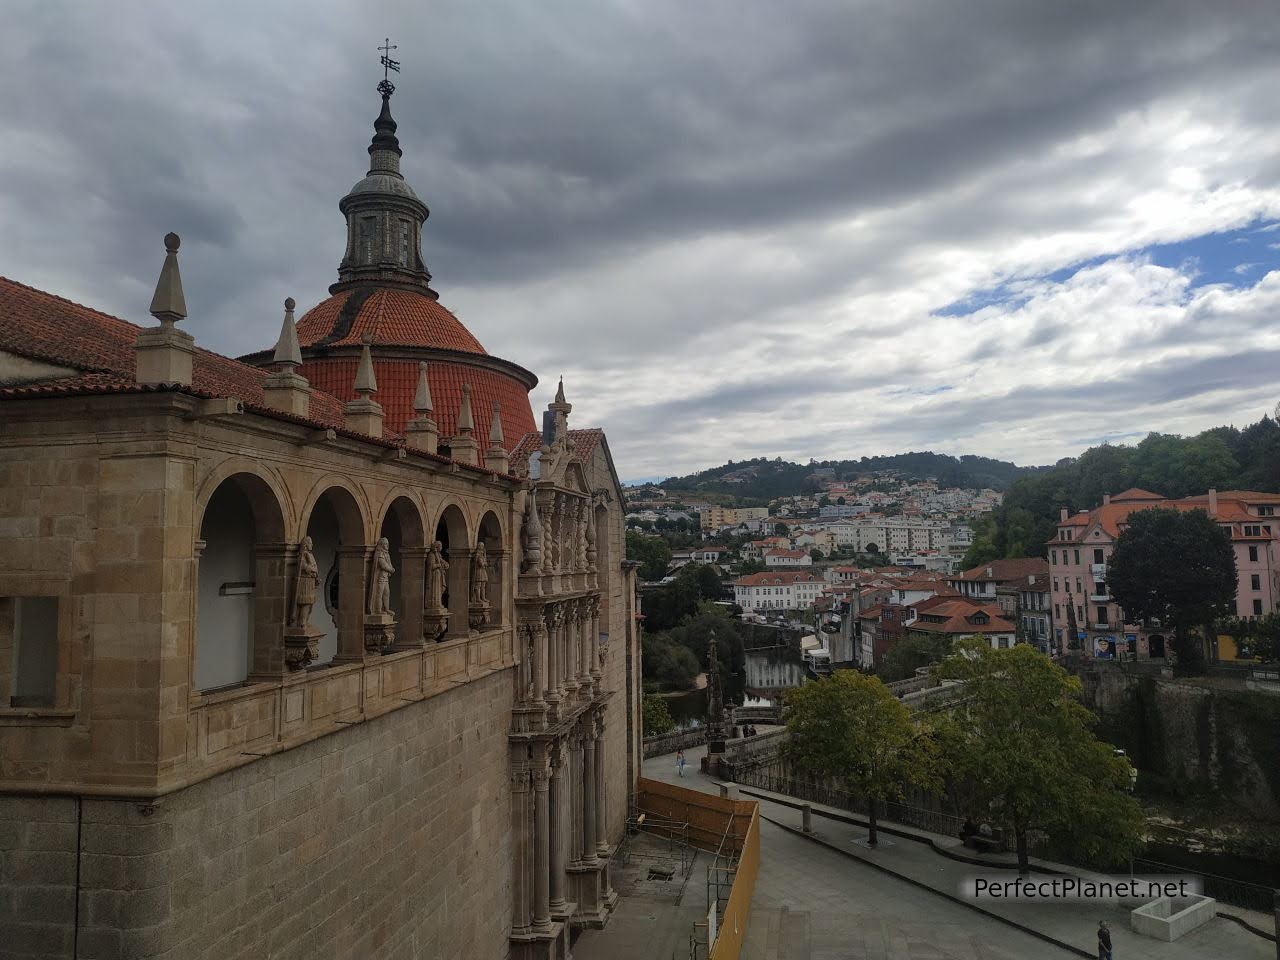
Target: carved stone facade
383, 697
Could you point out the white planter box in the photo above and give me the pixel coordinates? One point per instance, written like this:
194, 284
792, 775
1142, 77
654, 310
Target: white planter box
1168, 919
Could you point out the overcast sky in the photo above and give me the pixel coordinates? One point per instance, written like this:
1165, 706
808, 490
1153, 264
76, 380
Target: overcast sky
737, 228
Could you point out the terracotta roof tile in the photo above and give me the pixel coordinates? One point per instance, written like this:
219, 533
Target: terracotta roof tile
398, 382
37, 324
391, 315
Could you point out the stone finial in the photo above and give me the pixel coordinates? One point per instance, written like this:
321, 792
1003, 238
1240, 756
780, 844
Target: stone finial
421, 433
495, 455
560, 392
288, 354
422, 399
164, 354
463, 446
366, 382
465, 422
495, 426
168, 305
286, 389
364, 414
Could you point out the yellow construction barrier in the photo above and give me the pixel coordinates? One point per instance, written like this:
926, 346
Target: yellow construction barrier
730, 828
733, 925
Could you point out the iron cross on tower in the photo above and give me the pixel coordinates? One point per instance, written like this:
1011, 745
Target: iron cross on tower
386, 87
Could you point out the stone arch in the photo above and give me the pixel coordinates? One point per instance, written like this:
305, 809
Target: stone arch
497, 553
241, 580
267, 492
402, 524
452, 532
337, 523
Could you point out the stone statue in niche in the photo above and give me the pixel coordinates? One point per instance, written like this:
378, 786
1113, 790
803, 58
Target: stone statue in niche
480, 575
437, 570
304, 585
531, 536
380, 578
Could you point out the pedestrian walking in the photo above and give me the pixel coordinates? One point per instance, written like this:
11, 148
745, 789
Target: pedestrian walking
680, 762
1104, 941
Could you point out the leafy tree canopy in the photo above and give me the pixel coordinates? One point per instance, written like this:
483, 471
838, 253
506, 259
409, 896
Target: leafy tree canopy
1023, 741
656, 716
1177, 567
849, 727
652, 553
916, 649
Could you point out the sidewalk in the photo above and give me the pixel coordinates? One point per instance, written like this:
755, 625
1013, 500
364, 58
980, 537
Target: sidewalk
913, 859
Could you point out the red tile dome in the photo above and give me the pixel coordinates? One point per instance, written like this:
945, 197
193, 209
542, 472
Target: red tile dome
391, 316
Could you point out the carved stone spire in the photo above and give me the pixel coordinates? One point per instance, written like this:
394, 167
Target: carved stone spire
164, 353
286, 389
495, 455
364, 414
421, 433
463, 446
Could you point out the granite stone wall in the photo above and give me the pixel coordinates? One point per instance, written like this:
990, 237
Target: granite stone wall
388, 839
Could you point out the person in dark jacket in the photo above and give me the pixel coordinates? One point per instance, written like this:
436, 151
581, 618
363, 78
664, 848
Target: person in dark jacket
1104, 941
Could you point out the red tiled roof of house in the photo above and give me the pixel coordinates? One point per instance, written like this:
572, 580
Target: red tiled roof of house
392, 316
774, 578
1017, 568
959, 614
41, 325
1134, 495
788, 554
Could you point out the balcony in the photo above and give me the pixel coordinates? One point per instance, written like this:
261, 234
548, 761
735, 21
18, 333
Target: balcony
1099, 571
1099, 594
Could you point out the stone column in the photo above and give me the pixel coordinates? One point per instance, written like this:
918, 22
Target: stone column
553, 653
558, 902
588, 800
584, 644
353, 564
459, 579
541, 850
539, 629
597, 668
574, 792
413, 588
520, 874
602, 824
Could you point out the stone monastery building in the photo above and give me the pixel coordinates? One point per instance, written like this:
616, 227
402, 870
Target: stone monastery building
329, 651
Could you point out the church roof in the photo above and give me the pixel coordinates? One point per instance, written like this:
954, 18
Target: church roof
391, 316
44, 326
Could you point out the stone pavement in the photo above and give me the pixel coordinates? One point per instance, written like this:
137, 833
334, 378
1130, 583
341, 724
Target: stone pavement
822, 898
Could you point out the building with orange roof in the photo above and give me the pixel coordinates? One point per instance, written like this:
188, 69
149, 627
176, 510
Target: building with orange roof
958, 617
1081, 549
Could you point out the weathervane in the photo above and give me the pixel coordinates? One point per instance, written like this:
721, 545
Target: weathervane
386, 87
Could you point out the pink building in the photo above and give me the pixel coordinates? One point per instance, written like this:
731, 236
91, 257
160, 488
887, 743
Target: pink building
1079, 554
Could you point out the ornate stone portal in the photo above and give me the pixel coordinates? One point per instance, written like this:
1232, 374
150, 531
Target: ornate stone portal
559, 719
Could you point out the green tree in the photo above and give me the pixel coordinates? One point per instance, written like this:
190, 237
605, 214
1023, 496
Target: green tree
850, 728
656, 716
1178, 568
669, 664
1023, 743
916, 649
652, 553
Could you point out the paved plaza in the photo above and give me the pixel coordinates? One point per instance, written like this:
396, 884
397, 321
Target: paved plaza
823, 898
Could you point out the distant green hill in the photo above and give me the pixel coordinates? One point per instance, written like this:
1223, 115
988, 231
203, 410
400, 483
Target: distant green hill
1224, 458
760, 480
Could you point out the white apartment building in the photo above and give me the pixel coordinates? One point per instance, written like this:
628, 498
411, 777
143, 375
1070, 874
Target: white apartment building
777, 590
787, 558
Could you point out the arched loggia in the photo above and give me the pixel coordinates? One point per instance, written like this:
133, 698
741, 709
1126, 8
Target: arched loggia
336, 528
490, 534
241, 584
451, 532
406, 538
